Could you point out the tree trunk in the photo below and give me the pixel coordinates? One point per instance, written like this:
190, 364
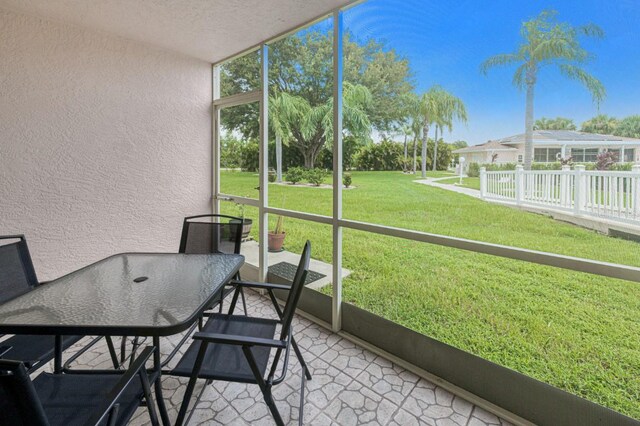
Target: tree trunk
435, 151
415, 153
404, 164
425, 133
528, 127
278, 159
309, 160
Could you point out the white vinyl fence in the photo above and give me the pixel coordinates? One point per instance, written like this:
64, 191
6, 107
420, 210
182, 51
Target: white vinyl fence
603, 194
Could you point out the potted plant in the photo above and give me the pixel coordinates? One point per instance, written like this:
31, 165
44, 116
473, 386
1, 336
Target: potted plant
246, 223
276, 238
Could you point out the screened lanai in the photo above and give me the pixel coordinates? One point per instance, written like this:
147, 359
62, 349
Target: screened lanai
421, 306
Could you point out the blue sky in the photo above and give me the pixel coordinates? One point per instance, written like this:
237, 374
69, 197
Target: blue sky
446, 41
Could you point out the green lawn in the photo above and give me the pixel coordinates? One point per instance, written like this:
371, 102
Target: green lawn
575, 331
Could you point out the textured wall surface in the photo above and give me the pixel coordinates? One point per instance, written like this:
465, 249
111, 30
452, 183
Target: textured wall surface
207, 29
105, 144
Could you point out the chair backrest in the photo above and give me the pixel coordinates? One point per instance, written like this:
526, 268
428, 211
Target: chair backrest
19, 402
296, 290
17, 275
211, 233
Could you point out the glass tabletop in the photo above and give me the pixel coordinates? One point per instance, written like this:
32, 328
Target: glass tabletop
125, 294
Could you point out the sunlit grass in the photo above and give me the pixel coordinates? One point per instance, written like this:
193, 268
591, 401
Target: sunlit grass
575, 331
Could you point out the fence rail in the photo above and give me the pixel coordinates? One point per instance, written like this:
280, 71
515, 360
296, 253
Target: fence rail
602, 194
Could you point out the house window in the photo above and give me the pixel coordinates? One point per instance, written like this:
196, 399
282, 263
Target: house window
546, 155
520, 158
540, 155
591, 155
582, 155
629, 155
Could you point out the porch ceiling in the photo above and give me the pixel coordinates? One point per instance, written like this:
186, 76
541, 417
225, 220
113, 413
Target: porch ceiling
210, 30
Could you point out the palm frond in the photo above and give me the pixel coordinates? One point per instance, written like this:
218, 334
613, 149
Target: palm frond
595, 87
499, 60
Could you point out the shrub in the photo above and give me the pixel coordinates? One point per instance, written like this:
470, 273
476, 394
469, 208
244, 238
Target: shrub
294, 174
250, 156
272, 176
621, 167
316, 176
385, 155
605, 160
500, 167
230, 152
546, 166
473, 170
346, 180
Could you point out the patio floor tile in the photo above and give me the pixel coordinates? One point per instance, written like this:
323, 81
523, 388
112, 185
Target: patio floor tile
350, 386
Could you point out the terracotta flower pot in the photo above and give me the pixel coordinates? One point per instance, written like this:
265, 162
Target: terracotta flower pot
275, 241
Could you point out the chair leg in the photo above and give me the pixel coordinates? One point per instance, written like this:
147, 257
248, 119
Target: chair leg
264, 387
134, 347
268, 397
112, 352
296, 349
302, 387
146, 388
234, 301
244, 302
192, 384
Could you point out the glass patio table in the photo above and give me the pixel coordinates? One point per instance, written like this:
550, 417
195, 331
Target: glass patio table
129, 294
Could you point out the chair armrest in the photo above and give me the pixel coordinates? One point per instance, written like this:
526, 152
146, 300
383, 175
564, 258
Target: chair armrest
266, 286
119, 388
231, 339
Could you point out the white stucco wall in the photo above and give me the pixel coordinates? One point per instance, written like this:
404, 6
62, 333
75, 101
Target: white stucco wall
105, 144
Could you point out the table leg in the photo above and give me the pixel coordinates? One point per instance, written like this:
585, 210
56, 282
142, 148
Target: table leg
157, 366
57, 360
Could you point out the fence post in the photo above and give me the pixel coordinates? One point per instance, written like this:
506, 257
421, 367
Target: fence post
519, 184
483, 182
565, 191
580, 191
635, 190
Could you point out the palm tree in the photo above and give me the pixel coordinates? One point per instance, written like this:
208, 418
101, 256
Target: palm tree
450, 108
429, 111
602, 124
543, 123
558, 123
548, 42
411, 104
284, 112
309, 127
405, 129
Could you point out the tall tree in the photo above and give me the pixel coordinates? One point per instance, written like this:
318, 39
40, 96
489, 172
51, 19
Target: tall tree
449, 109
302, 66
412, 113
558, 123
629, 127
548, 42
308, 128
429, 112
283, 113
601, 123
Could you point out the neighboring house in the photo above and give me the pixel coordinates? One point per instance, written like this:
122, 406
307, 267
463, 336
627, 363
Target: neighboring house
551, 145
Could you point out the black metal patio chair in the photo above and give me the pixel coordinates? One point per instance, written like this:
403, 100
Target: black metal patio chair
213, 233
206, 234
73, 399
17, 277
237, 348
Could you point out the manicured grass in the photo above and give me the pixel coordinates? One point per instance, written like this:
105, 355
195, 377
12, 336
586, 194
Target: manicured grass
575, 331
469, 182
